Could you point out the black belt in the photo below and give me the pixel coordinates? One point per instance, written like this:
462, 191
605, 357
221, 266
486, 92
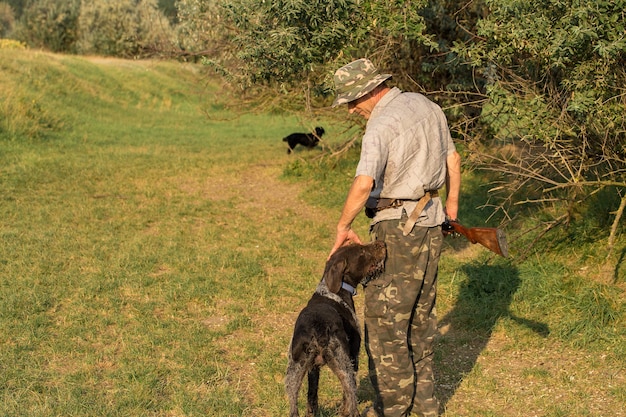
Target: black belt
374, 205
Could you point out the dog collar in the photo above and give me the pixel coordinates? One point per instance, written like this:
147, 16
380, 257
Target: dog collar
348, 288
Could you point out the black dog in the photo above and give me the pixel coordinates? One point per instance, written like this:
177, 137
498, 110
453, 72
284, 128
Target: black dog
310, 140
327, 331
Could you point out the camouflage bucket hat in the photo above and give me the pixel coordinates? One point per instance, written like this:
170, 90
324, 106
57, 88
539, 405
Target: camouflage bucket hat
355, 80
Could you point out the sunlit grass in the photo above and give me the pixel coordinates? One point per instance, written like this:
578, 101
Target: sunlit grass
153, 260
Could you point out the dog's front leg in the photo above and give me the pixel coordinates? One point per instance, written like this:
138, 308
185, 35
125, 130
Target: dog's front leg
314, 379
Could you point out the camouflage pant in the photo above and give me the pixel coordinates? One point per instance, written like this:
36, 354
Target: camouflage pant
400, 321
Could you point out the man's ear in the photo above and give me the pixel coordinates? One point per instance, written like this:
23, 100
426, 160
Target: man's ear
333, 274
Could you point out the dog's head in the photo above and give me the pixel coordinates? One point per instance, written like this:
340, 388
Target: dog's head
354, 264
319, 131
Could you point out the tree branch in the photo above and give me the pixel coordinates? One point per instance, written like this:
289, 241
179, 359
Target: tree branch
618, 216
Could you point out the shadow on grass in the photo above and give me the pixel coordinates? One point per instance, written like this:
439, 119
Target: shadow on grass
483, 299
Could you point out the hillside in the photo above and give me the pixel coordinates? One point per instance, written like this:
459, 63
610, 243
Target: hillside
157, 246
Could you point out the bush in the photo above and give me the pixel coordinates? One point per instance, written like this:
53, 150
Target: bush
7, 19
11, 44
50, 24
553, 126
201, 28
126, 28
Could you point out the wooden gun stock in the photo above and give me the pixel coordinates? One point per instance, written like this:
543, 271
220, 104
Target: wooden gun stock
492, 238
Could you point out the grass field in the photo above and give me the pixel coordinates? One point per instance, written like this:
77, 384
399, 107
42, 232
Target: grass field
156, 247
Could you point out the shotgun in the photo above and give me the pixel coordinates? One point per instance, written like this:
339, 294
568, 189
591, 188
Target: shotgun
492, 238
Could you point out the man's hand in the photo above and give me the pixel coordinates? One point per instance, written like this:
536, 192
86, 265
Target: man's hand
344, 237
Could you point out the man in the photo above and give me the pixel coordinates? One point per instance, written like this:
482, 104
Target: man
407, 155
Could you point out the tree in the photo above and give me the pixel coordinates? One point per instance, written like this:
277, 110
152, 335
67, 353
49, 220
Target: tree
7, 19
126, 28
201, 29
17, 6
283, 42
50, 24
299, 43
554, 73
394, 34
168, 7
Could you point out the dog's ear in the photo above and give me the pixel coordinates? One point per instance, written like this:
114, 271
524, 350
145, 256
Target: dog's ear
333, 273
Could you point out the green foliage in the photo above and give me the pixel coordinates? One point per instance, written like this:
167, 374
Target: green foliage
116, 27
284, 41
126, 28
7, 19
394, 34
168, 7
554, 73
50, 24
395, 19
17, 6
574, 50
201, 28
296, 45
553, 126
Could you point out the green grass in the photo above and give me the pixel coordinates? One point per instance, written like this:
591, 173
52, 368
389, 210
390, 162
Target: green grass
157, 246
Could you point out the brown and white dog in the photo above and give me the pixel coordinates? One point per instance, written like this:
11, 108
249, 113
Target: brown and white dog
327, 331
